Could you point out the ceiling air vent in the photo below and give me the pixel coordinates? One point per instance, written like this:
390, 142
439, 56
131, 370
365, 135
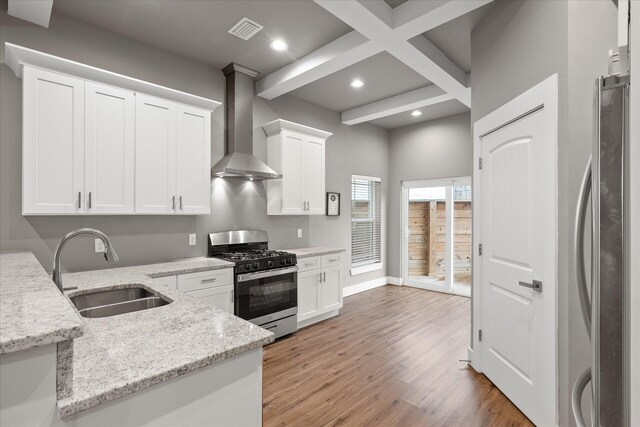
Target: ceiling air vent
245, 29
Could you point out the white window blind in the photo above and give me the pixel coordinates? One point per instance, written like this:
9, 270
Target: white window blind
365, 221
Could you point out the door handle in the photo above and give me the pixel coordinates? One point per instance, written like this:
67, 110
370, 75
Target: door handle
578, 247
536, 285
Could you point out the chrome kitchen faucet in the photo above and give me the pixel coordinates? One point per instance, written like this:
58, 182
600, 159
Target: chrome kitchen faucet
109, 253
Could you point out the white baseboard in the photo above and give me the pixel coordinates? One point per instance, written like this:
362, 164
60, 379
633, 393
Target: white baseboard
371, 284
394, 280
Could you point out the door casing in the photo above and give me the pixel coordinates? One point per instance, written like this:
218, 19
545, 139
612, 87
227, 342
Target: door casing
543, 95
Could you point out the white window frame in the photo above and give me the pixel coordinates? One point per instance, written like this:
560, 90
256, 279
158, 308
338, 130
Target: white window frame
372, 266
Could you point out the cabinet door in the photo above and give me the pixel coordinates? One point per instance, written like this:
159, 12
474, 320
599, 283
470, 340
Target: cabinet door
291, 173
109, 149
332, 289
219, 296
313, 175
309, 294
53, 143
155, 156
193, 154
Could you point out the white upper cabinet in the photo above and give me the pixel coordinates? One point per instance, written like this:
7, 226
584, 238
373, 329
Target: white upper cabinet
93, 144
193, 160
53, 144
298, 153
155, 156
109, 150
173, 158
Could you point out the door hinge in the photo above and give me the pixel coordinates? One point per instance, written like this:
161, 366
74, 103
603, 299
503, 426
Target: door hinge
480, 249
479, 334
479, 162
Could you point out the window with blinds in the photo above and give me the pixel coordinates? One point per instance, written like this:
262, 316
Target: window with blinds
365, 221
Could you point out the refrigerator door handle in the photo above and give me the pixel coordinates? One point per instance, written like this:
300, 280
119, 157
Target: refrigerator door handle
576, 396
578, 247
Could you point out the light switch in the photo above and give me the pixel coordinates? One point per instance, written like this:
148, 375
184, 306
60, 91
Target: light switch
299, 232
192, 239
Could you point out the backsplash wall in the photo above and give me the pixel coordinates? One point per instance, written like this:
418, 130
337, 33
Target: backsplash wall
236, 204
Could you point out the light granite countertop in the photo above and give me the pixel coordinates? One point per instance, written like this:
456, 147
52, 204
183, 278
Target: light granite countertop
314, 251
122, 354
33, 312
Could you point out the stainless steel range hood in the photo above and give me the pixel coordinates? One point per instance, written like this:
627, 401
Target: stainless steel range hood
239, 161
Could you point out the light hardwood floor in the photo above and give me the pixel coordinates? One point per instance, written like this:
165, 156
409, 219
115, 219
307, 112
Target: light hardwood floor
389, 359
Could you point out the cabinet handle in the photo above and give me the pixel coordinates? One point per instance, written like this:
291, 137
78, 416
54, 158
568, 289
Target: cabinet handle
333, 260
320, 277
173, 203
89, 199
79, 199
232, 297
211, 280
180, 202
324, 276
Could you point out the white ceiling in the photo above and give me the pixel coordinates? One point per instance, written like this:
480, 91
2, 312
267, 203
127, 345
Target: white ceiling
382, 74
198, 29
432, 112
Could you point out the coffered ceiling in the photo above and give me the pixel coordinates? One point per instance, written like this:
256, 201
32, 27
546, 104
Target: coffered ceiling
410, 55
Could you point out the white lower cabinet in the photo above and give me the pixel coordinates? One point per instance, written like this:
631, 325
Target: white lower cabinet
214, 287
218, 296
319, 288
309, 297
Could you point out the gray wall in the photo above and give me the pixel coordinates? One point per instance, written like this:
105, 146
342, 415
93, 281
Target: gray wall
435, 149
235, 203
517, 45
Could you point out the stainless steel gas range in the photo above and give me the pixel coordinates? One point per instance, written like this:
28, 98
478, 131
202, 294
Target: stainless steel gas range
265, 281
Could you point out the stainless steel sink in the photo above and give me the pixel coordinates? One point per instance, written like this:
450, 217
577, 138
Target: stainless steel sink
117, 301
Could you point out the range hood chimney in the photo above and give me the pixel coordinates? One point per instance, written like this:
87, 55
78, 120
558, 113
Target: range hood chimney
239, 161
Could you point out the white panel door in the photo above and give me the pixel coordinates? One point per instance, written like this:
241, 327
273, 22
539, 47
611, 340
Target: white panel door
291, 172
109, 149
53, 143
313, 175
309, 294
219, 296
518, 209
332, 289
193, 160
155, 156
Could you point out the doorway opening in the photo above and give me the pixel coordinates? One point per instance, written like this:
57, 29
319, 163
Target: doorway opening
437, 231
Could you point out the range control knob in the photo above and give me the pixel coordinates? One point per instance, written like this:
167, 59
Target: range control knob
255, 265
269, 263
283, 261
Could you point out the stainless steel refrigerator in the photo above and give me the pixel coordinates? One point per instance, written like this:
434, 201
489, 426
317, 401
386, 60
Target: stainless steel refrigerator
604, 296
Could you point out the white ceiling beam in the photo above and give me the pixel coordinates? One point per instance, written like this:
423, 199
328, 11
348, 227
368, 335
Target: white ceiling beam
411, 18
412, 100
436, 68
408, 20
35, 11
341, 53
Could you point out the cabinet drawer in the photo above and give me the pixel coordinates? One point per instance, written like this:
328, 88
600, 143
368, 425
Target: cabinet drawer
310, 263
205, 279
331, 260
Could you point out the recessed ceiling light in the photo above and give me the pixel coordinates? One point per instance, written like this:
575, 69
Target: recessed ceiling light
279, 45
357, 83
416, 113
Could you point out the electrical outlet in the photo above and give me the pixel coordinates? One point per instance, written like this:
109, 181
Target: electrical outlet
99, 246
299, 232
192, 239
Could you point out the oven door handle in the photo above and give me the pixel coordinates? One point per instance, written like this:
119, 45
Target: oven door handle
269, 273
